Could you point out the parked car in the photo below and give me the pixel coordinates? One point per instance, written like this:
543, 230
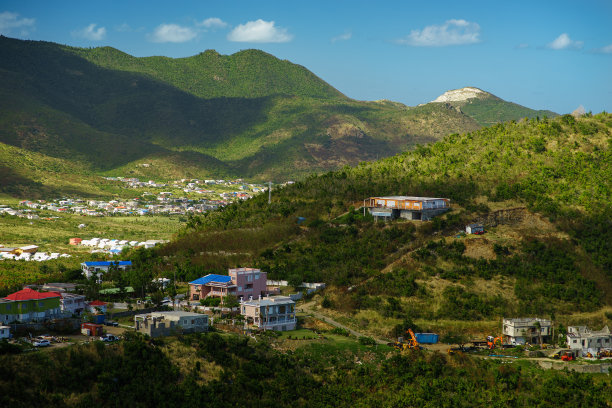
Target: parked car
109, 338
41, 343
110, 323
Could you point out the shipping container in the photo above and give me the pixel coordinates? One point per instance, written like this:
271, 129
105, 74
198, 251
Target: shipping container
427, 338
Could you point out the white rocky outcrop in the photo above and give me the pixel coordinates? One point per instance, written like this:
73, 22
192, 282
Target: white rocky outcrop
459, 95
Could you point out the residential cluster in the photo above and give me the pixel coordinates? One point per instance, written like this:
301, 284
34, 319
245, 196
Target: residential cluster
113, 246
28, 253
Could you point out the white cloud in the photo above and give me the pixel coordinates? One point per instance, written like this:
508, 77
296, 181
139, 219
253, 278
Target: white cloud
522, 46
172, 33
213, 23
259, 31
11, 23
605, 50
452, 32
342, 37
563, 42
91, 33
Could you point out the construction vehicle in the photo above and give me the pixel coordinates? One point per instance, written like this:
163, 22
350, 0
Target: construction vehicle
564, 355
492, 342
406, 344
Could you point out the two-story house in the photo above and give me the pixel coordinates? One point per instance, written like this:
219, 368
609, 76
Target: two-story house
527, 330
270, 313
98, 268
244, 283
28, 305
588, 341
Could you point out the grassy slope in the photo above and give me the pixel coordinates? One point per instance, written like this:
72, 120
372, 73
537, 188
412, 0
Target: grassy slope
554, 258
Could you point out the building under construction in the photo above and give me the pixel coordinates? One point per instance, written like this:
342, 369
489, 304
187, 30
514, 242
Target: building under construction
410, 208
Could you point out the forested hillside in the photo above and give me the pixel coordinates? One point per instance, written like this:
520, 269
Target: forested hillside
551, 254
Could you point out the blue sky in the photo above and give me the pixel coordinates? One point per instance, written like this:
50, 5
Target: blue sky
542, 54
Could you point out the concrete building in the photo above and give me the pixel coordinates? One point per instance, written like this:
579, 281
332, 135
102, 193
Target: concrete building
100, 267
526, 330
408, 207
270, 313
243, 283
71, 303
28, 305
157, 324
474, 229
588, 341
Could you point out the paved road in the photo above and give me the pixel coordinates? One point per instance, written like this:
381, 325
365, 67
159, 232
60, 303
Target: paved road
307, 308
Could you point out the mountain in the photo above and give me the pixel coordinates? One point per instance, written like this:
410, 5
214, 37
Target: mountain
486, 108
243, 115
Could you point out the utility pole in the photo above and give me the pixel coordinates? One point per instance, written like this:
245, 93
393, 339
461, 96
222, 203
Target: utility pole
269, 192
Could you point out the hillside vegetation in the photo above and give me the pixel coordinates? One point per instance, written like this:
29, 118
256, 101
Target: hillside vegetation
550, 254
244, 115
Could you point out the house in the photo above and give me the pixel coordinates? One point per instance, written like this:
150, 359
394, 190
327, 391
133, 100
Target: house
5, 332
474, 229
526, 330
588, 341
157, 324
71, 303
408, 207
241, 282
96, 307
29, 305
100, 267
270, 313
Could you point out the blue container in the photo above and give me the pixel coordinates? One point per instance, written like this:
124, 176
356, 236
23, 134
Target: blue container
426, 338
99, 319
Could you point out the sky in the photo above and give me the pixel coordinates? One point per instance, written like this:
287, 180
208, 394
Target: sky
542, 54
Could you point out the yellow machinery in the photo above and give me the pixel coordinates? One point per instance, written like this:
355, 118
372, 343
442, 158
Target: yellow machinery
409, 344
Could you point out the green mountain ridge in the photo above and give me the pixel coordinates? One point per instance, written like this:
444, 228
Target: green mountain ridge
244, 115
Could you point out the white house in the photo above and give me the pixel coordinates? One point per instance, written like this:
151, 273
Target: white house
71, 303
588, 341
270, 313
526, 330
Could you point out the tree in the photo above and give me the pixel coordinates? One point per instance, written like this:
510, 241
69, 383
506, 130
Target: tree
230, 301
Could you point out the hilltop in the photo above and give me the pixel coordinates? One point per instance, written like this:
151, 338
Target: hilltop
486, 108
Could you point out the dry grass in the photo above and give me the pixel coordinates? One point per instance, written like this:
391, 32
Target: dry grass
185, 358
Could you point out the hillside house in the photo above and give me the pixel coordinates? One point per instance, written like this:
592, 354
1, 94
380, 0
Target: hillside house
526, 330
270, 313
100, 267
588, 341
29, 305
96, 306
156, 324
474, 229
410, 208
241, 282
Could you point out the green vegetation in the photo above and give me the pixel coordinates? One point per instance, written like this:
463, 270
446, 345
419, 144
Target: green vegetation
229, 371
551, 254
69, 113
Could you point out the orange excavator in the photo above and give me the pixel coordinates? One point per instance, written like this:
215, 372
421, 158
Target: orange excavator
410, 344
492, 342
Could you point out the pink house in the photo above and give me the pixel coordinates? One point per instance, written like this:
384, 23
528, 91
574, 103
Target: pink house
245, 283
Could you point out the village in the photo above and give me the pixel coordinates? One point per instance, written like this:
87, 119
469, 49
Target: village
246, 302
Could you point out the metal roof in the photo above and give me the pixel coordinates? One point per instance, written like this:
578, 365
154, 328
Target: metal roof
269, 301
211, 278
31, 294
409, 198
108, 263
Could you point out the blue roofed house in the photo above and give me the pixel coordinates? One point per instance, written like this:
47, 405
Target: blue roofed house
243, 283
98, 268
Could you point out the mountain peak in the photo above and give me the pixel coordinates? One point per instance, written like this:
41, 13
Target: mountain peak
463, 94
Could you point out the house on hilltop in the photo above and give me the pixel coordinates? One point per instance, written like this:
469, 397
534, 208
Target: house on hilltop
523, 330
408, 207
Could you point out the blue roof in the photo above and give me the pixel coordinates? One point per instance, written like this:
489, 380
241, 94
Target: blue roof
108, 263
211, 278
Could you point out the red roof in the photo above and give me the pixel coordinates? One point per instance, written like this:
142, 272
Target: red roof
97, 303
31, 294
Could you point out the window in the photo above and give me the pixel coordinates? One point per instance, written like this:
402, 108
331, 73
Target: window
41, 304
575, 341
256, 276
